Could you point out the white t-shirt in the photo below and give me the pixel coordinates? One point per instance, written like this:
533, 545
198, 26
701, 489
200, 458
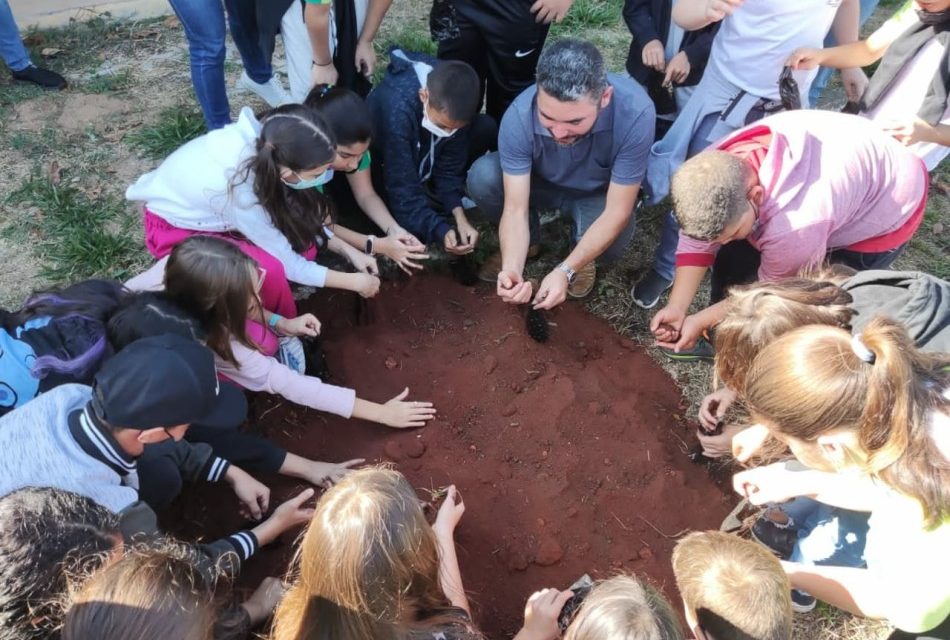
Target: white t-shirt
753, 43
192, 189
907, 94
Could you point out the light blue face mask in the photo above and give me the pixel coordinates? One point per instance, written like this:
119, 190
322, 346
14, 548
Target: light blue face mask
312, 183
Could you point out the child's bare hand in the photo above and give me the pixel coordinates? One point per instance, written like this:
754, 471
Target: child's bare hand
401, 414
305, 325
717, 446
714, 407
805, 58
449, 513
363, 263
541, 613
652, 55
366, 285
748, 442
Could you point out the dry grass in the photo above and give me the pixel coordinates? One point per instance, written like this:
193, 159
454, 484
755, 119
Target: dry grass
131, 98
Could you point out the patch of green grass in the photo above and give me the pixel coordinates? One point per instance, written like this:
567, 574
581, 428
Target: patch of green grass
590, 14
175, 127
412, 37
36, 143
74, 235
109, 83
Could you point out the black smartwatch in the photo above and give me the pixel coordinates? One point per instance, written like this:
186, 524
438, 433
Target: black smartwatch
370, 245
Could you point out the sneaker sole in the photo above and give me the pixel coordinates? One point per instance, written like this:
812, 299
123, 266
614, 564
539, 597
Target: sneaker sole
679, 357
804, 608
642, 304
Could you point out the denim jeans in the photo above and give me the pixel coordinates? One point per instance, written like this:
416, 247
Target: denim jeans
485, 188
824, 73
827, 535
203, 21
664, 258
11, 46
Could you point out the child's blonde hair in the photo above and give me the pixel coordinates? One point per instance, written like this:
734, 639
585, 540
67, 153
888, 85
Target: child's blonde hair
736, 589
623, 608
818, 379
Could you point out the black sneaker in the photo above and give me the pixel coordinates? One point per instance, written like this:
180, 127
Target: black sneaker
40, 76
647, 292
802, 602
776, 538
703, 350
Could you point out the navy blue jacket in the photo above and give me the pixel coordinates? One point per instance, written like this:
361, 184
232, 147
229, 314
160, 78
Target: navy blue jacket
399, 146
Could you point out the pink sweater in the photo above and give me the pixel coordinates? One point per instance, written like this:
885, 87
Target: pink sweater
260, 372
831, 181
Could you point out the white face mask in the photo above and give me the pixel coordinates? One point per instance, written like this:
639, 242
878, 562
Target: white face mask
432, 127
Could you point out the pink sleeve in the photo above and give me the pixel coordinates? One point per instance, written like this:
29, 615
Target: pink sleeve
695, 253
151, 280
793, 250
264, 373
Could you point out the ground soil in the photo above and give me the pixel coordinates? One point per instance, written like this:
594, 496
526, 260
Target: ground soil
569, 455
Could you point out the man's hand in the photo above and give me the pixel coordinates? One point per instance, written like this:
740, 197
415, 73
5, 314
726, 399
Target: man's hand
541, 614
652, 55
854, 82
548, 11
365, 58
805, 58
909, 131
305, 325
512, 288
553, 290
323, 75
677, 70
716, 10
254, 496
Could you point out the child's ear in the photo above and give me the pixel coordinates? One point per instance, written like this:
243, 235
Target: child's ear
757, 194
424, 94
152, 436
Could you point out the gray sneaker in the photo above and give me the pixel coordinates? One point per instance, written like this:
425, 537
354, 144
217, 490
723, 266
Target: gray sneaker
647, 292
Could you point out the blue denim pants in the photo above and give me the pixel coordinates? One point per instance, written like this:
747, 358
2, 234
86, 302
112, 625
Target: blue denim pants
827, 535
204, 23
824, 74
11, 46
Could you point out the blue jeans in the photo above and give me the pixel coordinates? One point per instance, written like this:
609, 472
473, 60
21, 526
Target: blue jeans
11, 46
824, 74
664, 258
827, 535
485, 187
203, 21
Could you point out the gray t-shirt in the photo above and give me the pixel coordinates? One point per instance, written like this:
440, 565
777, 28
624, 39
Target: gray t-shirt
615, 149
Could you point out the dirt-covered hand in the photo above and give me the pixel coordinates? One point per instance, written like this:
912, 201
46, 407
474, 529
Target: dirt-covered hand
400, 413
254, 495
652, 55
677, 70
303, 325
449, 513
541, 614
512, 288
552, 291
720, 445
714, 406
548, 11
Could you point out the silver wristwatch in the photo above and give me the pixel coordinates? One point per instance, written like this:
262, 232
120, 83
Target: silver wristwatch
566, 270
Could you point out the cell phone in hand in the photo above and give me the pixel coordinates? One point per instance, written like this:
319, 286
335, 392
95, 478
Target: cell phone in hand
581, 589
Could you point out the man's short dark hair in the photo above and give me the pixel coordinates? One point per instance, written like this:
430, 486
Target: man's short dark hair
455, 89
571, 69
47, 535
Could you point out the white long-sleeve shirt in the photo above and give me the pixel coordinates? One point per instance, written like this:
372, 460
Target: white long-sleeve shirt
192, 189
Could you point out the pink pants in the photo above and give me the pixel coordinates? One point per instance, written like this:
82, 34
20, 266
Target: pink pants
161, 237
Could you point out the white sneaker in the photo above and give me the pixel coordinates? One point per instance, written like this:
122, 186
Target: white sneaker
272, 92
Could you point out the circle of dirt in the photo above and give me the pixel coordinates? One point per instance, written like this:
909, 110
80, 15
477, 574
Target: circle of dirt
569, 455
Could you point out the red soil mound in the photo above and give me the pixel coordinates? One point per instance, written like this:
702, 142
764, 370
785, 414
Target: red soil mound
569, 455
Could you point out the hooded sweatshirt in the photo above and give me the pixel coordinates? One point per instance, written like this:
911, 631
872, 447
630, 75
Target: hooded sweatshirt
918, 301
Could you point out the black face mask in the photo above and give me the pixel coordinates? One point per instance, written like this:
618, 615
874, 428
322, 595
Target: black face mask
933, 18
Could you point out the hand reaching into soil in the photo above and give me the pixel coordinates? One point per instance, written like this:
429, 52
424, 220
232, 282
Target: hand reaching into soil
541, 613
327, 474
714, 406
305, 325
264, 600
254, 496
286, 516
512, 288
401, 252
449, 514
397, 412
720, 444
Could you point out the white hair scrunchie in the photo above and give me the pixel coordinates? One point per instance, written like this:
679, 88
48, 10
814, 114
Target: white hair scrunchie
861, 350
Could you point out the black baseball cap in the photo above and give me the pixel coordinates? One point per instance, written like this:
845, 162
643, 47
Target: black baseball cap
165, 381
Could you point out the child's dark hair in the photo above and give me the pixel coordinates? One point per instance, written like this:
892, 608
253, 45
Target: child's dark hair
455, 89
92, 301
296, 137
46, 536
344, 111
213, 280
151, 313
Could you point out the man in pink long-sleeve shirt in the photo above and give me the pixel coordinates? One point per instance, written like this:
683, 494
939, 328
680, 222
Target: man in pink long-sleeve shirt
783, 195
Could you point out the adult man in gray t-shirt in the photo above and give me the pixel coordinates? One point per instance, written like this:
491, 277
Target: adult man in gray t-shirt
576, 141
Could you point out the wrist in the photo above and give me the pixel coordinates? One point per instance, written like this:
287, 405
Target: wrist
317, 63
232, 475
